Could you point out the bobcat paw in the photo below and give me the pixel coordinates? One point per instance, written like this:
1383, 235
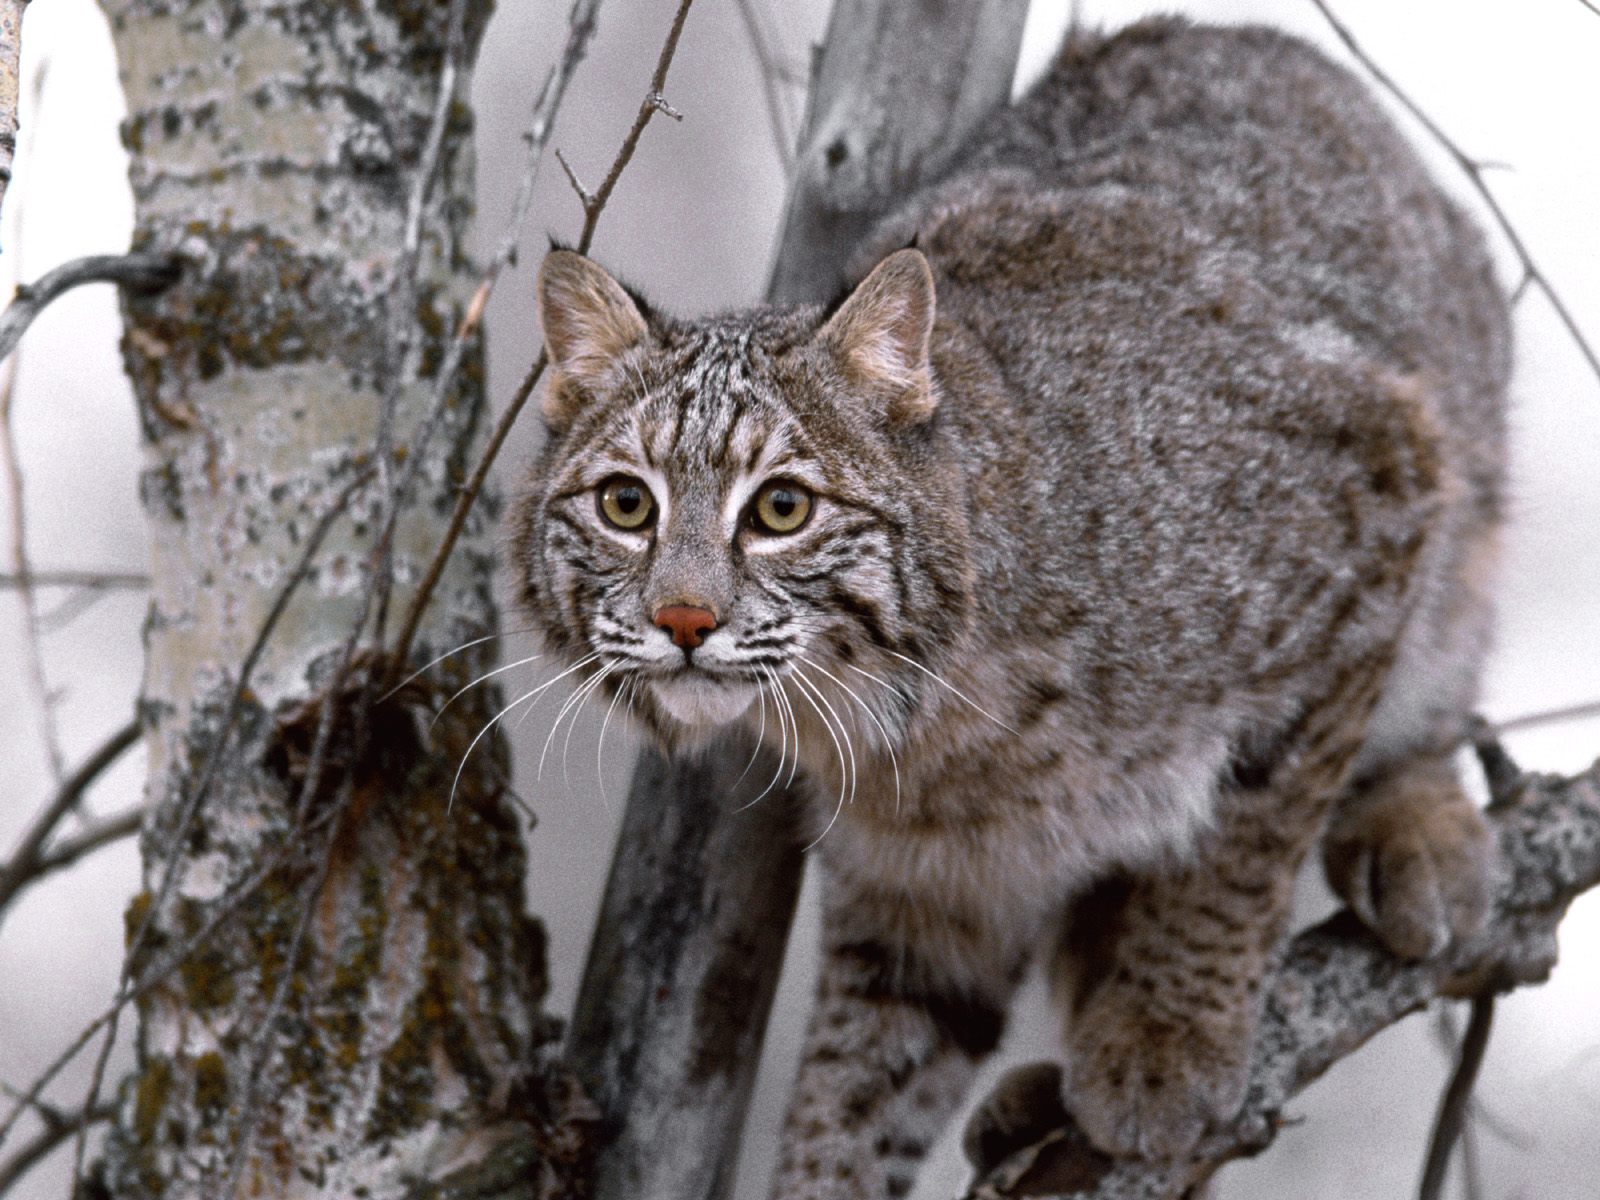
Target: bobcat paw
1418, 874
1152, 1087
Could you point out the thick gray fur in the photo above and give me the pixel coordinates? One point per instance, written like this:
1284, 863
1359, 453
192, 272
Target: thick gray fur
1164, 554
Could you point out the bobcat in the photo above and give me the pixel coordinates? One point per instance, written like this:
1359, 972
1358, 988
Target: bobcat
1093, 558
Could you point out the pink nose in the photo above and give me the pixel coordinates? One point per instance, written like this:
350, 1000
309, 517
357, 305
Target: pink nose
686, 623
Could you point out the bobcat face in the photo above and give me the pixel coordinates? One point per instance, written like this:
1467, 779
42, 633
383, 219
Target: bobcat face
731, 503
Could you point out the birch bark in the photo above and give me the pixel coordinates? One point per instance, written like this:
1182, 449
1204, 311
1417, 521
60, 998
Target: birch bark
365, 1020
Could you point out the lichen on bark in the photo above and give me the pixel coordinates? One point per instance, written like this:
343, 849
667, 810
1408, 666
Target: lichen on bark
367, 1017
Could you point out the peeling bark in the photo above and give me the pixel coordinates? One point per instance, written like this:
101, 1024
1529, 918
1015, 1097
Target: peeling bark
367, 1022
1337, 987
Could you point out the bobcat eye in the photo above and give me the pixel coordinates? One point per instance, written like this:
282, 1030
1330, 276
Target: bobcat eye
781, 507
627, 503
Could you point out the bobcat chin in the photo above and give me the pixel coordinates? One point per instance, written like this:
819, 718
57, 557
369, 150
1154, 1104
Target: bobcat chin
1095, 560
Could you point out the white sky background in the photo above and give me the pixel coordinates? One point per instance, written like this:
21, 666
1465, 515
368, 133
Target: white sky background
693, 223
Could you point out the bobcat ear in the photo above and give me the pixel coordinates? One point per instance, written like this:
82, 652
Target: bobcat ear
589, 321
880, 335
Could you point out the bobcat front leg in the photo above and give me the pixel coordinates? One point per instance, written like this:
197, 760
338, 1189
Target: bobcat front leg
891, 1050
1160, 1040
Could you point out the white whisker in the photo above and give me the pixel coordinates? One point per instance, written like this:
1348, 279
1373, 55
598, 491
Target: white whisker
464, 646
521, 662
587, 690
806, 681
761, 695
492, 722
794, 726
570, 704
600, 747
783, 732
838, 749
888, 743
577, 666
955, 691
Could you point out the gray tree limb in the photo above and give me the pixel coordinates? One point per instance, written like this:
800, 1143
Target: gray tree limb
695, 918
1337, 987
141, 272
896, 90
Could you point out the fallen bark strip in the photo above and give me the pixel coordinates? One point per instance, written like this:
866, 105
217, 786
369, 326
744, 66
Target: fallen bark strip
1338, 987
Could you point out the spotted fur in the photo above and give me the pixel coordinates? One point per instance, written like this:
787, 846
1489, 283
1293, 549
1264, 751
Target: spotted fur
1152, 497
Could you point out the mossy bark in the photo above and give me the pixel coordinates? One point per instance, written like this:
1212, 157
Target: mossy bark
367, 1022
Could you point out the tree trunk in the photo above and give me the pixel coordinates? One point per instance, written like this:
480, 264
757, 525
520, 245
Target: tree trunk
680, 978
364, 1019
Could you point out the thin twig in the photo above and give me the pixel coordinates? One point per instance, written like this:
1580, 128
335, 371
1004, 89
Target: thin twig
90, 580
593, 206
406, 352
58, 1128
1591, 6
1549, 716
1474, 173
1457, 1096
144, 274
133, 990
780, 120
100, 833
581, 23
654, 101
28, 862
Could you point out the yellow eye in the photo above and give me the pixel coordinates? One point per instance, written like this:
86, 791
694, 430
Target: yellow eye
626, 503
782, 507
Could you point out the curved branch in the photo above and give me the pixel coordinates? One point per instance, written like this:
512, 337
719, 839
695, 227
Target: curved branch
57, 1129
1338, 987
29, 862
146, 273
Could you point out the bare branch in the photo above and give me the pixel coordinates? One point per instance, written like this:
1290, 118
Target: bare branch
29, 862
58, 1128
1338, 987
32, 638
145, 274
654, 102
93, 580
579, 28
1474, 172
780, 120
100, 833
1549, 716
1455, 1104
581, 23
